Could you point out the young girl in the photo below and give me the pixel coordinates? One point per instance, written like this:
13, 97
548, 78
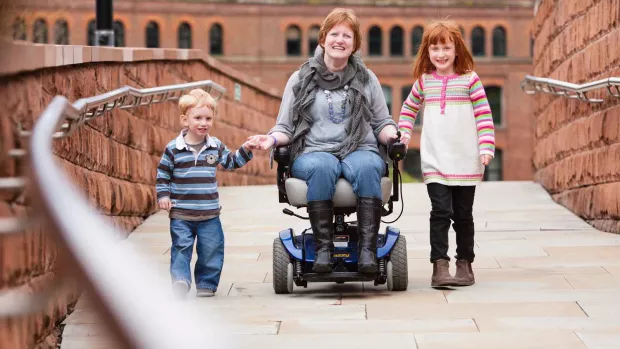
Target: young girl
457, 142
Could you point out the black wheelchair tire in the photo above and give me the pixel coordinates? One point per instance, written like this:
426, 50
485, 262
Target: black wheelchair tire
281, 261
398, 257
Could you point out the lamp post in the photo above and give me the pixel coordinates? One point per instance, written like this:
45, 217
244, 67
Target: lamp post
104, 34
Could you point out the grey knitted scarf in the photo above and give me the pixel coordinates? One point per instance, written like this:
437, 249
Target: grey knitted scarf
313, 74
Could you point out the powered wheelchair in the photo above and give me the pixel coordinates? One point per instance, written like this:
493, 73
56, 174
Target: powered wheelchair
293, 255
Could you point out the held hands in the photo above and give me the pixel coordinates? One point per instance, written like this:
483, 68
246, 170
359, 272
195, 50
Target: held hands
164, 204
262, 142
485, 159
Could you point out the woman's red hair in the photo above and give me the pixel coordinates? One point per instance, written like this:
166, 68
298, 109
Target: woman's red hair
441, 32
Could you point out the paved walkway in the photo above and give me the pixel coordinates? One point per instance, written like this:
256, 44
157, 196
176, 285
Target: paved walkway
545, 279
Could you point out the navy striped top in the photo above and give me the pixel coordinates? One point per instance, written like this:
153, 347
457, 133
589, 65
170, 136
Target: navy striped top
188, 177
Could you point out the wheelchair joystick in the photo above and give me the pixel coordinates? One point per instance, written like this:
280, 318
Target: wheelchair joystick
397, 150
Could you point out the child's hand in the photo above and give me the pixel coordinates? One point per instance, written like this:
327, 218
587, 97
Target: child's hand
164, 204
263, 142
405, 138
485, 159
249, 145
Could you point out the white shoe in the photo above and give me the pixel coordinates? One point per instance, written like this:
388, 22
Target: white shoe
180, 289
204, 292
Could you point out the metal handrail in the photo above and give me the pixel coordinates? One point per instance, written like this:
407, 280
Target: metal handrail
533, 84
136, 303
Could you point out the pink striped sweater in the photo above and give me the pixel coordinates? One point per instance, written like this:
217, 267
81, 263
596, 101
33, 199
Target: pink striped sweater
457, 129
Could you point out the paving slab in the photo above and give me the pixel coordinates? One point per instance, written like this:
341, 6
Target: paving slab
545, 279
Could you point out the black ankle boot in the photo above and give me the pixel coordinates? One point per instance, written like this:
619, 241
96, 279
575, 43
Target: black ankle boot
368, 221
322, 222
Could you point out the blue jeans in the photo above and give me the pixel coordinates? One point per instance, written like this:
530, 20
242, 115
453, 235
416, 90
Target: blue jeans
362, 168
209, 247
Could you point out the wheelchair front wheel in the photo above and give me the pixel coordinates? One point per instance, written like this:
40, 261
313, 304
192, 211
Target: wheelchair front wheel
282, 269
396, 268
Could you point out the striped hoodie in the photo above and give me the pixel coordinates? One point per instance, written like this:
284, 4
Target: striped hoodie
188, 178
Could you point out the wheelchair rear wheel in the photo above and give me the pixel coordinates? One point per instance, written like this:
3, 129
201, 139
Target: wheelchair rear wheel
282, 269
397, 273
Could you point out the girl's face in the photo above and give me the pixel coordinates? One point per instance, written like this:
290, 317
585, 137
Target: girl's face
339, 42
442, 56
198, 121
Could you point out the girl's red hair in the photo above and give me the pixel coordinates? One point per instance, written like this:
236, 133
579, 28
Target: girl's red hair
441, 32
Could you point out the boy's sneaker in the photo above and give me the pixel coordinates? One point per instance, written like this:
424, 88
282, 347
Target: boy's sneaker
180, 289
204, 292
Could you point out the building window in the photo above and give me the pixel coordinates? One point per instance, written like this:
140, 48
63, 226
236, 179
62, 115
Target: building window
313, 39
185, 35
387, 93
19, 29
477, 41
374, 41
405, 91
462, 30
499, 42
416, 39
90, 32
152, 35
293, 41
413, 164
494, 95
39, 31
531, 46
396, 41
61, 32
119, 33
494, 171
216, 36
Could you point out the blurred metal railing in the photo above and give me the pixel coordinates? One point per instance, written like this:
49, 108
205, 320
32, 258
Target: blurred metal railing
532, 84
135, 302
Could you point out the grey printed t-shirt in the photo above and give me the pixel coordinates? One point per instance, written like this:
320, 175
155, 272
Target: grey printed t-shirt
324, 133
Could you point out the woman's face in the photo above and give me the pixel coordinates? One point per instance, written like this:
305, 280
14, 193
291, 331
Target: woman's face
339, 42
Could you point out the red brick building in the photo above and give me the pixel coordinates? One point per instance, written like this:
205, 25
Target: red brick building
269, 39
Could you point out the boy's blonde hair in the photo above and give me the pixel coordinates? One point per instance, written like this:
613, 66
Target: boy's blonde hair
197, 98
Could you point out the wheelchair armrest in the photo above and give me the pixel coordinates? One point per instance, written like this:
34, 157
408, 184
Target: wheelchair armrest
282, 156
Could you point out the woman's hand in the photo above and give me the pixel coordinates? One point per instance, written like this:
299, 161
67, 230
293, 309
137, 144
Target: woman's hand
263, 142
485, 159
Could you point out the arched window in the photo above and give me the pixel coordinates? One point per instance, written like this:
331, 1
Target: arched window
412, 164
185, 35
462, 30
152, 34
477, 41
216, 36
39, 31
495, 170
293, 41
19, 29
374, 41
119, 33
416, 39
396, 41
499, 42
494, 95
61, 32
387, 93
405, 91
90, 32
531, 45
313, 39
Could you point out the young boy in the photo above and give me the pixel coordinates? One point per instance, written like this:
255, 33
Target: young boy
187, 188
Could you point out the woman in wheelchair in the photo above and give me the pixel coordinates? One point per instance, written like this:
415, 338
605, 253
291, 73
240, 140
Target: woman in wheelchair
333, 115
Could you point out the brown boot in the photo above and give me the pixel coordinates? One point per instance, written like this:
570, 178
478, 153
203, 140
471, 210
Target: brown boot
464, 273
441, 274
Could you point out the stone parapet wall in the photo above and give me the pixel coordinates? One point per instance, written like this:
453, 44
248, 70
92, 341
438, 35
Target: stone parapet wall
113, 158
577, 150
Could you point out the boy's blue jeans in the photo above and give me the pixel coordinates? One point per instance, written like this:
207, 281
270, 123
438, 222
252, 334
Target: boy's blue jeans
209, 247
362, 168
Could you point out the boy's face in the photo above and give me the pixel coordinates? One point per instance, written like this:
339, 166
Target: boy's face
198, 121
